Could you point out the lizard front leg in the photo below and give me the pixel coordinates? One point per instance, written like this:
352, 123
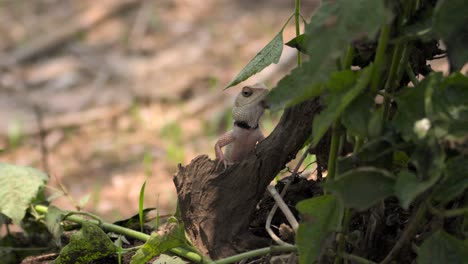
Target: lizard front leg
224, 140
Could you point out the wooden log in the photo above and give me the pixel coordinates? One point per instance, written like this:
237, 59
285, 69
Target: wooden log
217, 205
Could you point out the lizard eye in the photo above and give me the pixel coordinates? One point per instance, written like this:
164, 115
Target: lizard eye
246, 91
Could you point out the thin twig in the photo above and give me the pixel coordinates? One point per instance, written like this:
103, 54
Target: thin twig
272, 234
283, 192
284, 208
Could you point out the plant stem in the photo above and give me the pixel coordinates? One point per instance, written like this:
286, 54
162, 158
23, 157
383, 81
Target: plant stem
348, 60
256, 253
297, 13
446, 213
407, 233
391, 76
125, 231
357, 259
379, 57
335, 142
341, 238
411, 75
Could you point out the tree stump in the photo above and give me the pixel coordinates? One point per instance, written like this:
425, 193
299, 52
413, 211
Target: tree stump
217, 205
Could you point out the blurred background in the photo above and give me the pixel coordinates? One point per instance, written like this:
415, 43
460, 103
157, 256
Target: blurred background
103, 95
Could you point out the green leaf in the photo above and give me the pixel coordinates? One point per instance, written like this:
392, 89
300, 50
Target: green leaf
20, 185
450, 22
332, 28
362, 187
168, 259
298, 43
412, 106
455, 181
358, 115
321, 217
449, 110
271, 53
170, 237
134, 221
337, 105
53, 220
429, 162
441, 247
87, 245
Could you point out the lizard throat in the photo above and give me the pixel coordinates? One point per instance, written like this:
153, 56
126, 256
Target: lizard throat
244, 125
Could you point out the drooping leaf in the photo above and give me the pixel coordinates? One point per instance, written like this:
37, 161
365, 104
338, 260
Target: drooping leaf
19, 186
53, 220
133, 222
450, 22
87, 245
362, 187
429, 162
298, 43
271, 53
441, 247
170, 237
455, 181
337, 105
332, 27
321, 217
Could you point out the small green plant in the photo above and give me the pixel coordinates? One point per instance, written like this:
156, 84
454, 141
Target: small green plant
140, 206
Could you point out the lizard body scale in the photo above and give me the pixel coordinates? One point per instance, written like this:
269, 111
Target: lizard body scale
241, 140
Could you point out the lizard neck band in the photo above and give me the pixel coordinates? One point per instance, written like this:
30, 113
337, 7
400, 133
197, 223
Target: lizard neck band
244, 125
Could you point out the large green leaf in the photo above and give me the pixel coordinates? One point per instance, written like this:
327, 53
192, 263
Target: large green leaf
321, 217
455, 181
19, 186
271, 53
441, 247
331, 29
87, 245
338, 102
362, 187
450, 22
429, 162
170, 237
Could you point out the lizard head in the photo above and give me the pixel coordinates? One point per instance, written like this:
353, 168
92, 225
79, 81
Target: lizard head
250, 104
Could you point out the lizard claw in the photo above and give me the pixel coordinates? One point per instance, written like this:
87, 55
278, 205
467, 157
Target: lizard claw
225, 164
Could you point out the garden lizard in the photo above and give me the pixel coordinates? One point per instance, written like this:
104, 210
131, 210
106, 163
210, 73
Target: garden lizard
248, 108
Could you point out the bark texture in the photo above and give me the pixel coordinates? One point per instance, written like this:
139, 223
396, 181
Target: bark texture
216, 205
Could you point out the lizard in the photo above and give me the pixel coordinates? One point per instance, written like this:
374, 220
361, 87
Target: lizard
249, 106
